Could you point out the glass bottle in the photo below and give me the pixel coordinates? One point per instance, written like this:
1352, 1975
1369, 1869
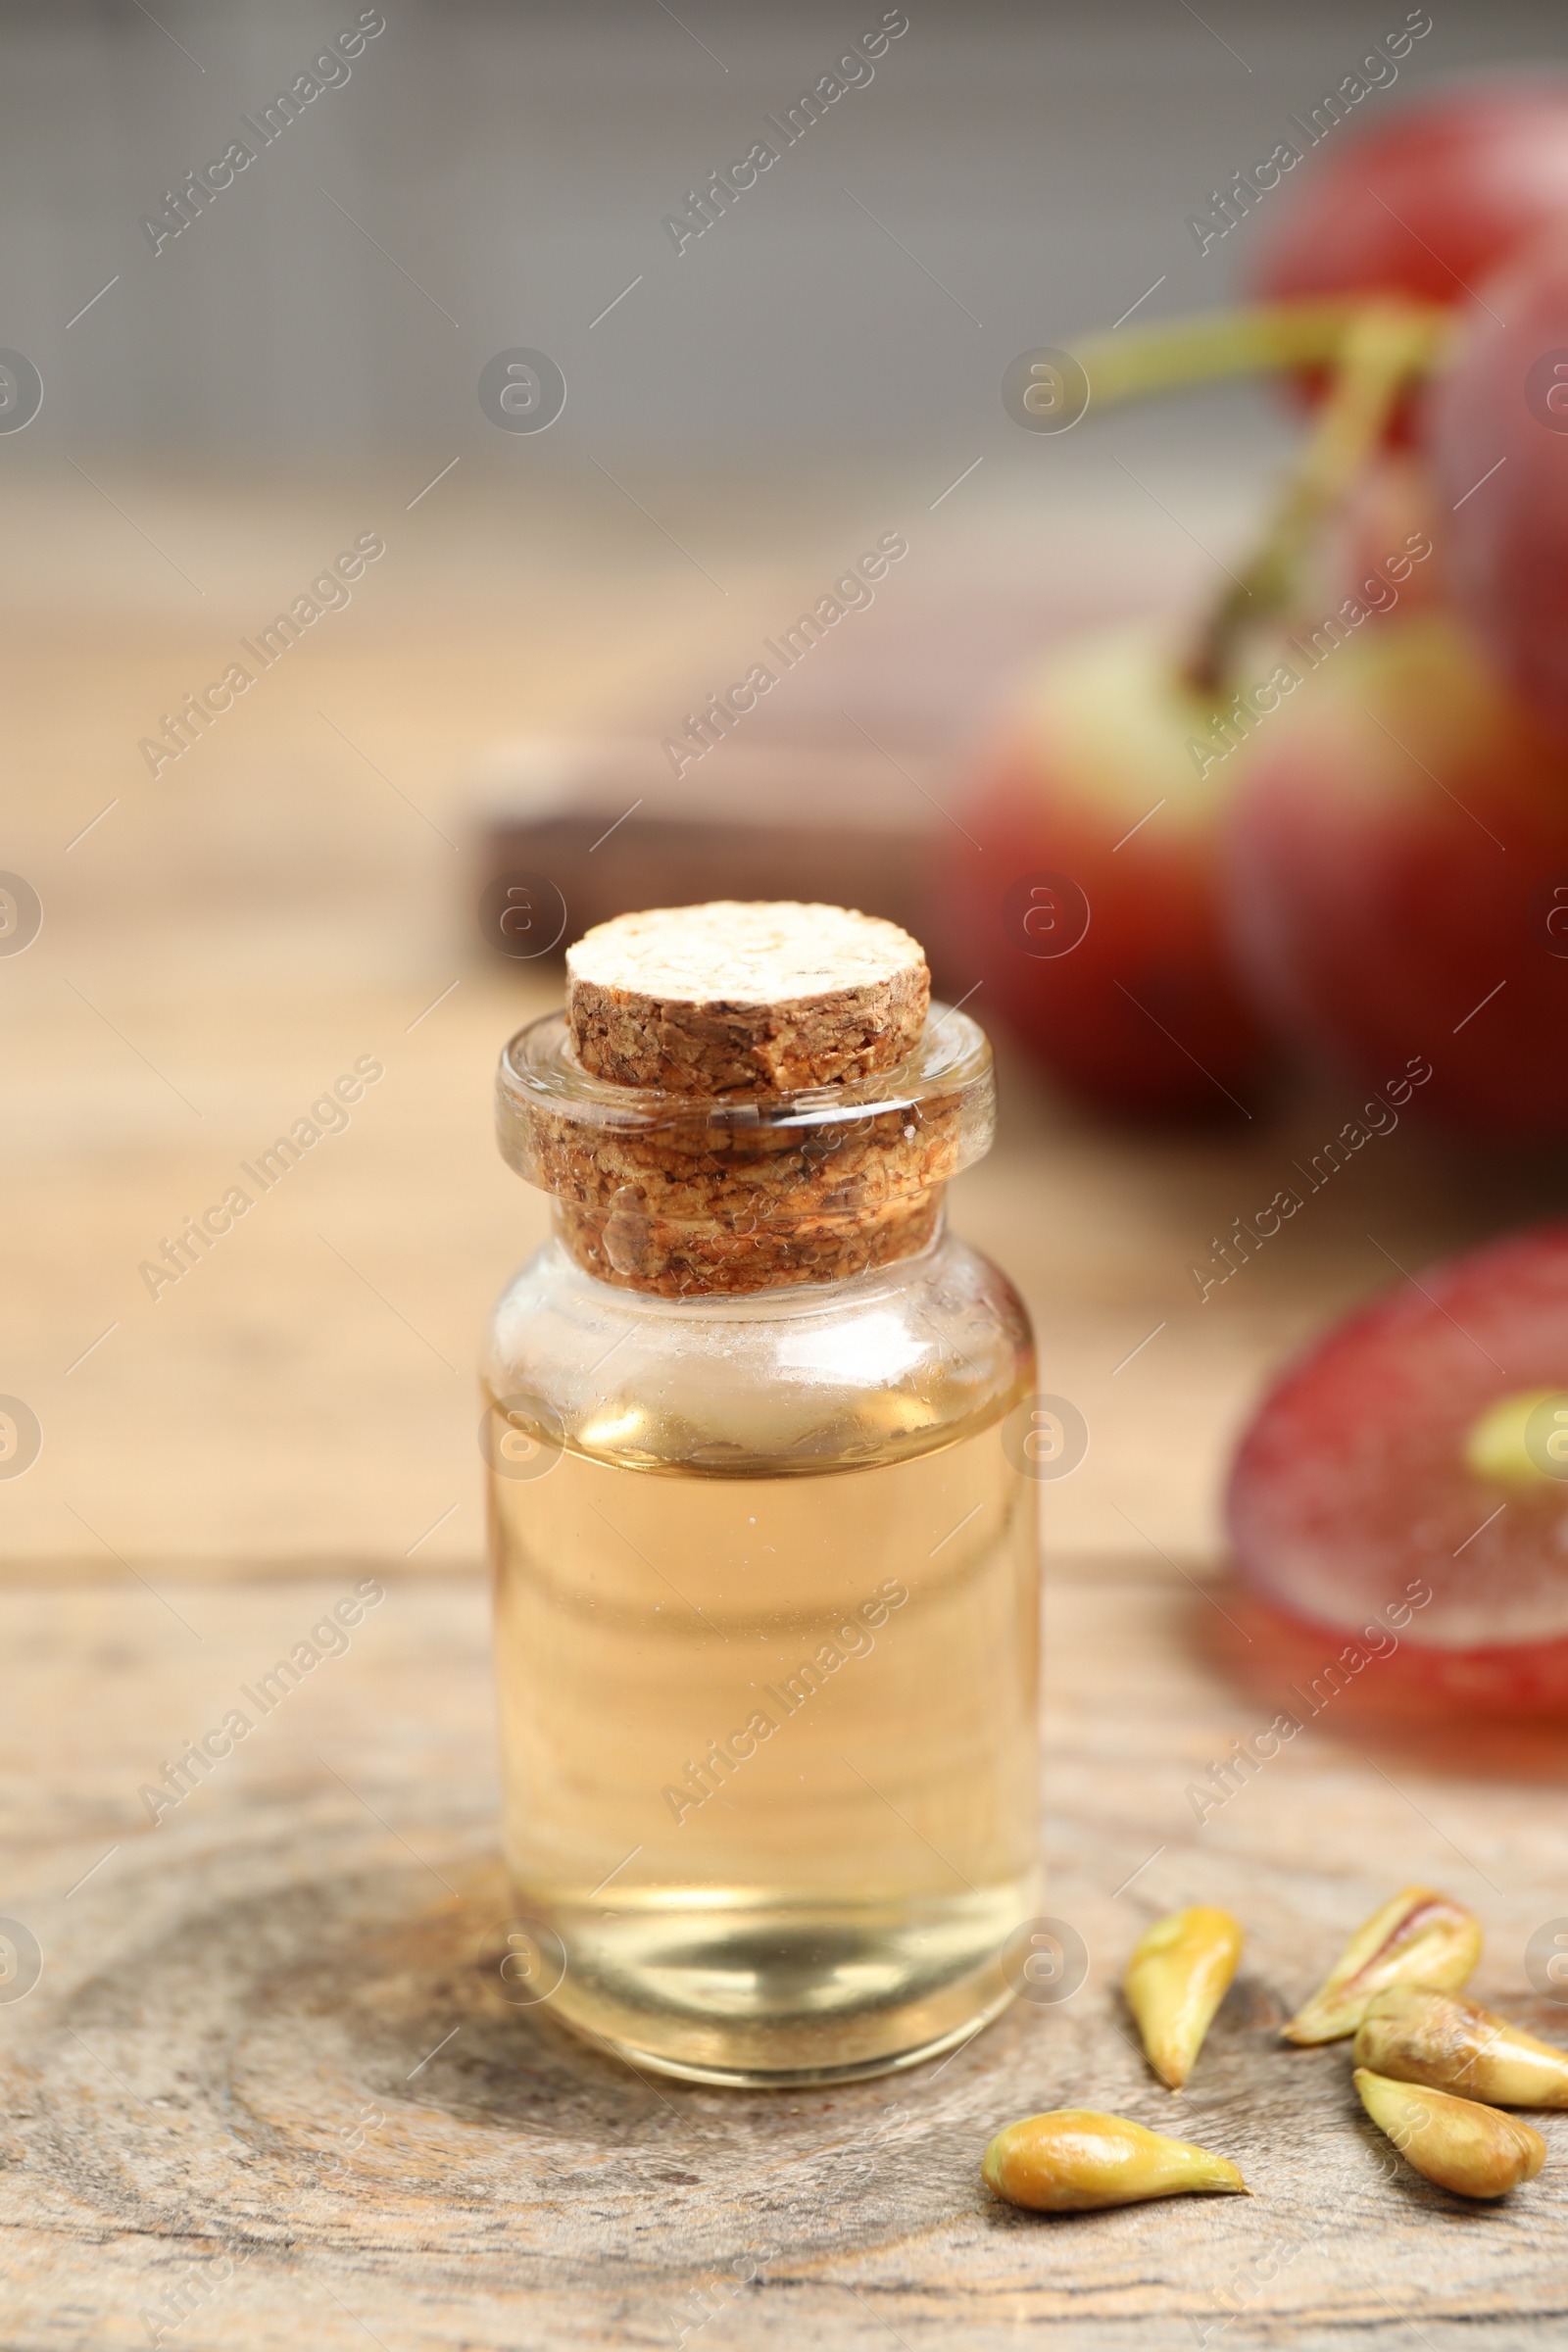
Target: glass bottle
766, 1568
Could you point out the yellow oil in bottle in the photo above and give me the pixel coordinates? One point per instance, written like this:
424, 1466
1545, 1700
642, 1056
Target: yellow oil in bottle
768, 1747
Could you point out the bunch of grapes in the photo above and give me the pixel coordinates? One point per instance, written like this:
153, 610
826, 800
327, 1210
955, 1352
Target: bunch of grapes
1333, 817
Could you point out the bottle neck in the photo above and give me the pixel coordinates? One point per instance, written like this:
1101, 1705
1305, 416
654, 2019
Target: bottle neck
701, 1197
630, 1246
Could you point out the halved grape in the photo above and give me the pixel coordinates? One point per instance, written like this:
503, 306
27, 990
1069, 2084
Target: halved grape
1404, 1484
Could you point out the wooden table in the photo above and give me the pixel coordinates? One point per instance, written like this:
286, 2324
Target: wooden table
260, 2089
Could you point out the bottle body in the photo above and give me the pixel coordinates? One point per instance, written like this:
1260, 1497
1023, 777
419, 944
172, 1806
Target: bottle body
766, 1639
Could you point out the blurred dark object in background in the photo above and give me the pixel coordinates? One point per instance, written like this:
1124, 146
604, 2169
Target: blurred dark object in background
578, 831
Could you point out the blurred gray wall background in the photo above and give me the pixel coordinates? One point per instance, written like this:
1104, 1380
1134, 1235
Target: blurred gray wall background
517, 162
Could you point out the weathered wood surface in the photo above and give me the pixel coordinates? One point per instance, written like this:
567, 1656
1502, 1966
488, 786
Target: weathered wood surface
228, 2085
263, 2089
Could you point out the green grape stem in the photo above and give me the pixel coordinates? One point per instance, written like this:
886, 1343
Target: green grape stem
1385, 348
1214, 345
1372, 352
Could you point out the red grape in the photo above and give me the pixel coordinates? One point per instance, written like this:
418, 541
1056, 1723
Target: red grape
1397, 875
1498, 428
1364, 1500
1088, 809
1426, 203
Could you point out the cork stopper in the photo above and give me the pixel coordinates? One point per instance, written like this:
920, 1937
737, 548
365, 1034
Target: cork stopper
743, 1096
767, 996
